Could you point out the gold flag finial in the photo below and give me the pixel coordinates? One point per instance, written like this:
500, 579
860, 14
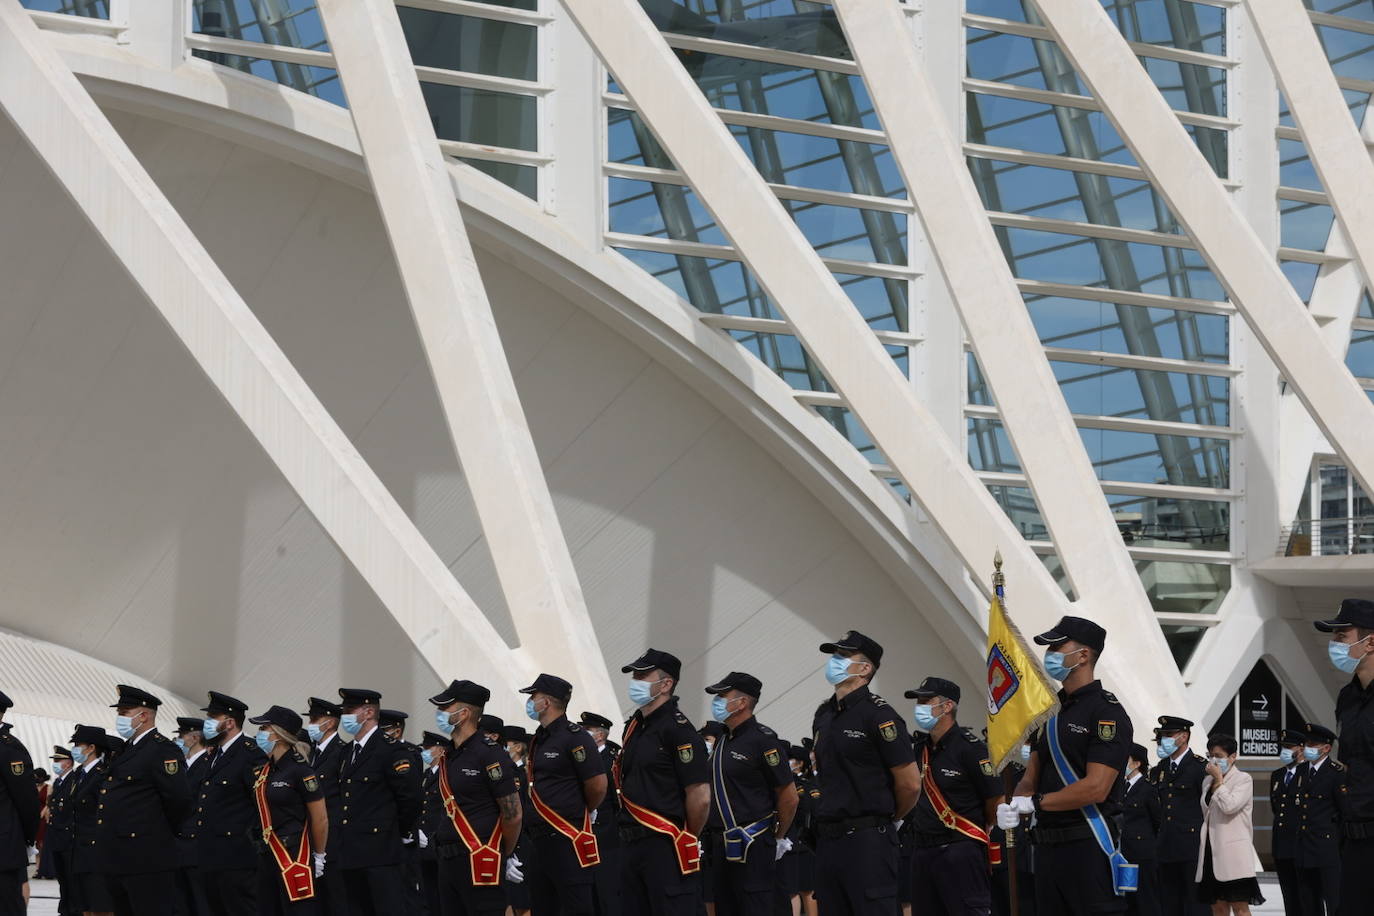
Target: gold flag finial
999, 579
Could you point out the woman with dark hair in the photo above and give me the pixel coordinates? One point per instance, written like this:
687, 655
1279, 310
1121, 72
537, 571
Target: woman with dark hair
1226, 859
91, 750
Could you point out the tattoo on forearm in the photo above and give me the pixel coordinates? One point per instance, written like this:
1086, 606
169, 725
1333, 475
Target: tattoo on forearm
510, 807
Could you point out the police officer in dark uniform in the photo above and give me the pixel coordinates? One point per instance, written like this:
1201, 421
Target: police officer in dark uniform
1141, 817
19, 810
393, 724
432, 746
190, 893
1351, 651
322, 725
868, 783
380, 783
1178, 777
1284, 784
87, 890
606, 882
144, 800
663, 776
960, 792
1073, 877
226, 861
494, 727
796, 869
567, 784
753, 801
58, 840
525, 860
1025, 852
292, 821
481, 807
1317, 855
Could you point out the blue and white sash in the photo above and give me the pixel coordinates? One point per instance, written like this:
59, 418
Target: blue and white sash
1125, 876
738, 838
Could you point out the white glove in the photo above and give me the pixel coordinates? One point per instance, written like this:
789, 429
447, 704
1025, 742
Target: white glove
1007, 817
318, 858
33, 853
407, 840
513, 873
594, 813
784, 847
1023, 804
424, 840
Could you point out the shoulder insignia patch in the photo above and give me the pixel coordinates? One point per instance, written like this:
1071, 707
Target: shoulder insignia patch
573, 726
815, 793
685, 753
171, 767
772, 757
312, 784
494, 772
17, 768
1110, 697
877, 700
986, 766
888, 730
766, 730
681, 719
579, 753
1106, 729
1336, 764
402, 766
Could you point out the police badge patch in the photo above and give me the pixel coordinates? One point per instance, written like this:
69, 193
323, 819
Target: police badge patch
1106, 729
401, 766
494, 772
685, 753
17, 768
312, 784
772, 758
888, 730
171, 767
986, 766
579, 754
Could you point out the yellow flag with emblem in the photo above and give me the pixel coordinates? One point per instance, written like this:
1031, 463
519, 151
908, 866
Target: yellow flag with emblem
1020, 698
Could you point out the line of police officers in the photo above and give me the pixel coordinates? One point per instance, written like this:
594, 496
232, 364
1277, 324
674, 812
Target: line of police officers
298, 820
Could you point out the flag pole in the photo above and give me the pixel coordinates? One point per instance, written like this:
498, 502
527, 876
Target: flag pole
999, 583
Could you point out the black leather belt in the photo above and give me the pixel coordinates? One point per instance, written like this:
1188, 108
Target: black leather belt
1049, 836
931, 840
629, 833
841, 826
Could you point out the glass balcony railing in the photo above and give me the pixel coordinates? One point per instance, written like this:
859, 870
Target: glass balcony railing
1328, 537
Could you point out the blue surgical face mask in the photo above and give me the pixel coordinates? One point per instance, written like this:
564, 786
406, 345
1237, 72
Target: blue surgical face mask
315, 732
427, 756
1166, 747
1286, 755
181, 744
720, 709
1025, 753
124, 727
441, 719
78, 756
1055, 668
837, 670
925, 716
350, 724
641, 693
530, 710
1310, 754
265, 742
1222, 764
209, 729
1340, 656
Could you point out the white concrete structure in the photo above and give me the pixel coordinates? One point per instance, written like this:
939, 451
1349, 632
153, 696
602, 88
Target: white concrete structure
768, 319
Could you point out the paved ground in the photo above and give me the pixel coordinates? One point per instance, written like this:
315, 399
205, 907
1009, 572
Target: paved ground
43, 898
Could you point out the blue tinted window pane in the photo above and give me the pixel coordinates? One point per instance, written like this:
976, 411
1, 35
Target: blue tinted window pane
1360, 357
1177, 397
321, 82
716, 286
1350, 53
1184, 588
789, 25
1058, 258
1078, 196
1350, 9
785, 355
1355, 100
1366, 308
1183, 642
1084, 325
449, 42
481, 116
1302, 275
1304, 225
1295, 168
736, 84
1182, 24
661, 211
93, 9
523, 178
1147, 521
1189, 87
293, 23
1019, 504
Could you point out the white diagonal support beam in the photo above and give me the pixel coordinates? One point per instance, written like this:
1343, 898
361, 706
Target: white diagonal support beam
1032, 408
1230, 246
459, 335
934, 468
164, 258
1319, 109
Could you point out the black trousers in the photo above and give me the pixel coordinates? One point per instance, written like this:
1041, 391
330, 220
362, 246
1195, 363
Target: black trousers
1178, 889
62, 865
1357, 864
330, 890
190, 893
149, 894
1319, 890
376, 891
951, 880
1075, 879
1287, 873
272, 899
559, 885
429, 885
749, 887
856, 872
12, 891
230, 891
1145, 901
652, 883
457, 896
606, 881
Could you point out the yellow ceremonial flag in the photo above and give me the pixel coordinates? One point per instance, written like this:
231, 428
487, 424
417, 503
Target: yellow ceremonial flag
1020, 698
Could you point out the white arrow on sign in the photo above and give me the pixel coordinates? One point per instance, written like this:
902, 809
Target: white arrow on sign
1261, 701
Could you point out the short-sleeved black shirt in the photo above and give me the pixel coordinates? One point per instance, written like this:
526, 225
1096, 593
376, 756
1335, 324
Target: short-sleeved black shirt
661, 755
751, 762
1093, 728
859, 740
562, 756
1355, 722
479, 772
963, 771
290, 785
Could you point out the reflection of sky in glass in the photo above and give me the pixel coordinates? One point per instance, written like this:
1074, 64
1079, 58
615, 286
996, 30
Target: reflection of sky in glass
1086, 325
93, 9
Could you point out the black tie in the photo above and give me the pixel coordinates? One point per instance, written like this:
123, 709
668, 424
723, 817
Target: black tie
357, 749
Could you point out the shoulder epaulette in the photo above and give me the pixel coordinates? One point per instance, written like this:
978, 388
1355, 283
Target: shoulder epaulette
160, 738
681, 719
972, 736
1110, 697
1198, 757
877, 700
1336, 763
767, 731
487, 739
296, 756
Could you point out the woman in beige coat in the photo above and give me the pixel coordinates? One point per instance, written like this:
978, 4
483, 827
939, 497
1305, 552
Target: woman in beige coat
1226, 859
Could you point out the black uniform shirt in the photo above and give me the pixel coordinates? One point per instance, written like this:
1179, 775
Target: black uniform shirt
1141, 817
963, 771
291, 784
661, 755
606, 815
1180, 788
1093, 728
858, 741
19, 807
1319, 833
1283, 801
479, 772
561, 757
143, 800
751, 762
1355, 722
